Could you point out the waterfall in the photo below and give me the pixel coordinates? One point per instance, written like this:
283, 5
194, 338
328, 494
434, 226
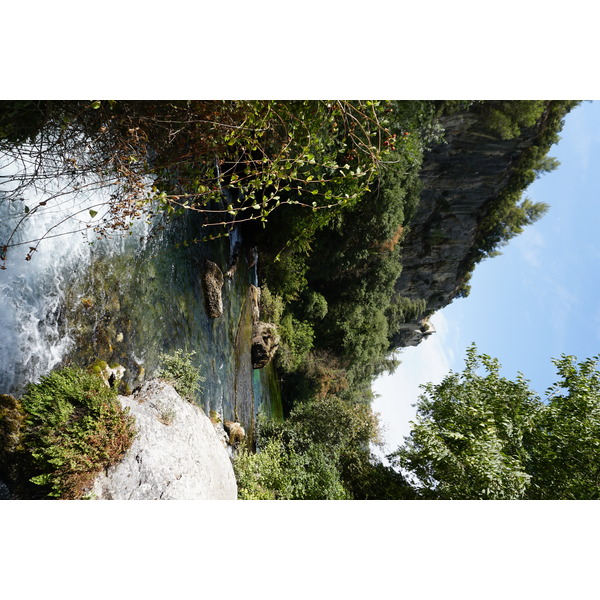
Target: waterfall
35, 276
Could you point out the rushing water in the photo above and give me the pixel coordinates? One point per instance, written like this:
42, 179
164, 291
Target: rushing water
126, 299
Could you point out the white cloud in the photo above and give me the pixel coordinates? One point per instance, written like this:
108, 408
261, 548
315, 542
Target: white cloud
428, 362
530, 244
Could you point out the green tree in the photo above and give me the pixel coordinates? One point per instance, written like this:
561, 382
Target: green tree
482, 436
564, 460
321, 452
467, 442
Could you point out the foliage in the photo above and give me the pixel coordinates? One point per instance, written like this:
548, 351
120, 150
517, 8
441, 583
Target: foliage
508, 117
178, 369
280, 473
481, 436
74, 427
320, 452
11, 423
563, 460
296, 342
231, 161
271, 306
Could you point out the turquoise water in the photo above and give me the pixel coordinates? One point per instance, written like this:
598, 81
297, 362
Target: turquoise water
126, 300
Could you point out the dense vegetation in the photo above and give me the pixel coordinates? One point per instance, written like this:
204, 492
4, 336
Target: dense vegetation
482, 436
326, 190
337, 280
61, 433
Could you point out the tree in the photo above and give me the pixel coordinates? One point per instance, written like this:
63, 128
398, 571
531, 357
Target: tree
564, 460
232, 161
322, 451
482, 436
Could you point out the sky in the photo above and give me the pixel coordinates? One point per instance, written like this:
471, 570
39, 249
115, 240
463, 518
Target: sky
536, 301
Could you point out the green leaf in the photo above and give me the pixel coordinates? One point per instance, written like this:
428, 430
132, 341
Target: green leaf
93, 213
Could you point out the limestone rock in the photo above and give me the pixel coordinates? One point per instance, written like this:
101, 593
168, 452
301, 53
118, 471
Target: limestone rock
235, 431
212, 281
176, 453
265, 342
412, 334
461, 176
110, 376
255, 303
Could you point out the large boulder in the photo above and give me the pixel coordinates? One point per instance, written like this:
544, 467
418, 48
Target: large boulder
265, 342
212, 282
176, 453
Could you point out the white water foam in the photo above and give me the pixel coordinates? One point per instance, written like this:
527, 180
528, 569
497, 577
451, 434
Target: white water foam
33, 333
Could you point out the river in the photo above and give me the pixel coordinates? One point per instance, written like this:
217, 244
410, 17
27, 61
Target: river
125, 298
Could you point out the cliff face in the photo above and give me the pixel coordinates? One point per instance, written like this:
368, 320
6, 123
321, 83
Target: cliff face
460, 178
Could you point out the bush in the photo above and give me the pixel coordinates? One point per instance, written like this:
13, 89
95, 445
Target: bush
296, 342
321, 452
279, 472
178, 370
74, 427
271, 306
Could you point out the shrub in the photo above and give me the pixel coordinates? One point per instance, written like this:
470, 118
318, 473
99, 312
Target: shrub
11, 422
279, 472
271, 306
178, 370
74, 427
296, 342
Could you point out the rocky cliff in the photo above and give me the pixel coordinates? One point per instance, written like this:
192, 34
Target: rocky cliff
461, 177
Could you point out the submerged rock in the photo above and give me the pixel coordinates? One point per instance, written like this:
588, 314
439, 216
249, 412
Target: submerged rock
265, 342
212, 282
176, 453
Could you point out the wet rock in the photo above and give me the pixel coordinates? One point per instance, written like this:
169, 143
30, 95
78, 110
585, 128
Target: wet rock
4, 491
255, 303
233, 267
212, 282
235, 432
111, 375
265, 342
176, 454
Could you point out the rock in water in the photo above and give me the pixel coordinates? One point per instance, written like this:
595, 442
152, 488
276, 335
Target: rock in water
255, 294
265, 342
236, 432
212, 281
176, 453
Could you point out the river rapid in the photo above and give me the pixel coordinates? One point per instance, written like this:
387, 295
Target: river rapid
123, 299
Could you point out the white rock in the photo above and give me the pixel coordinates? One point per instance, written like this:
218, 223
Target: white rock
176, 454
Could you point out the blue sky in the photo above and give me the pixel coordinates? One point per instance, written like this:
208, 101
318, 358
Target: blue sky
536, 301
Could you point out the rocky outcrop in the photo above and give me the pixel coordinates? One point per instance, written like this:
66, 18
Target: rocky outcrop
461, 177
111, 375
412, 334
212, 283
235, 431
265, 342
255, 303
176, 453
